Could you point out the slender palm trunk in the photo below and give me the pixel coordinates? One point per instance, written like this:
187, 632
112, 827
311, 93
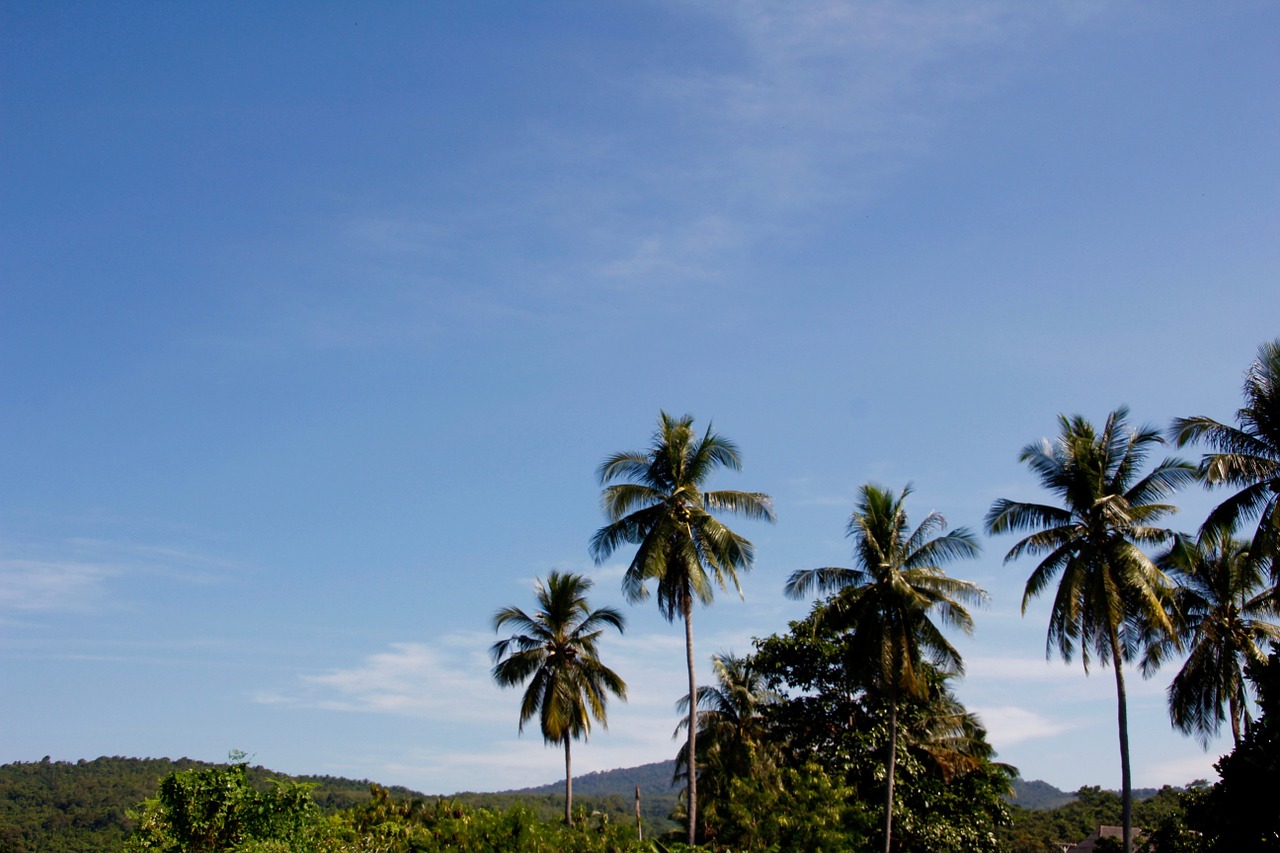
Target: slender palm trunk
893, 761
687, 606
568, 785
1233, 704
1126, 780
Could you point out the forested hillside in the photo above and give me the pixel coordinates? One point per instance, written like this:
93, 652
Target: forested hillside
65, 807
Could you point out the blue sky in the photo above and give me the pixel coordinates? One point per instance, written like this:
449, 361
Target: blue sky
316, 320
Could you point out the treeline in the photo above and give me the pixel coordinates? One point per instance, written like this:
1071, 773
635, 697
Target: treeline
83, 807
75, 807
1047, 830
90, 806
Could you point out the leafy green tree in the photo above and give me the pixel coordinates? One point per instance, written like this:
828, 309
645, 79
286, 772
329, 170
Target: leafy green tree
731, 730
556, 654
803, 809
1111, 598
1246, 457
654, 498
216, 809
1223, 608
948, 794
885, 603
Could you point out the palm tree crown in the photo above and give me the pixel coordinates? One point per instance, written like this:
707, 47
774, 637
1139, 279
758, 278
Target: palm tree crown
555, 652
885, 602
654, 499
1246, 457
1223, 609
730, 721
896, 583
1111, 597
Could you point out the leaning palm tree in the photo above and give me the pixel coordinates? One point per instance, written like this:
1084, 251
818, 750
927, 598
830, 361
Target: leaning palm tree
555, 652
885, 603
731, 731
1224, 611
654, 498
1247, 457
1111, 598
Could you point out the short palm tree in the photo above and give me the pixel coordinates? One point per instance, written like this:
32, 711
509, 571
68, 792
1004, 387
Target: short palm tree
654, 498
555, 652
1246, 457
731, 730
1224, 610
885, 603
1111, 598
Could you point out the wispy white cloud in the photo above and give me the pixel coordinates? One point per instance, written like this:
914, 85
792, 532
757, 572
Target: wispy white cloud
1008, 725
447, 680
81, 574
33, 585
444, 680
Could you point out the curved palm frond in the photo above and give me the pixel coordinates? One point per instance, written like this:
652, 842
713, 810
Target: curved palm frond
1225, 610
1246, 457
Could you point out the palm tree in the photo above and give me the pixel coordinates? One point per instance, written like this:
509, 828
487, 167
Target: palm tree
885, 602
731, 729
1247, 457
556, 653
1223, 610
653, 498
952, 737
1111, 599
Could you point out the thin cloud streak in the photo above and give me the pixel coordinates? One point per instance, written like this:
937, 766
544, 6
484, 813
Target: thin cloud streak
53, 586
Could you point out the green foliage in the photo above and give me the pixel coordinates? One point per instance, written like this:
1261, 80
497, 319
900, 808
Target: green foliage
218, 809
1246, 457
833, 729
791, 809
1239, 812
80, 807
1223, 610
1045, 830
388, 825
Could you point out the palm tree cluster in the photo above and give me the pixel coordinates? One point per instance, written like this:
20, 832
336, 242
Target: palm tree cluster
1125, 589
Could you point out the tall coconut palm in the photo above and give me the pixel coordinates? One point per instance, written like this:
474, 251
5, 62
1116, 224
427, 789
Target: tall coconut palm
1224, 611
654, 498
731, 730
1247, 457
1111, 598
555, 652
885, 603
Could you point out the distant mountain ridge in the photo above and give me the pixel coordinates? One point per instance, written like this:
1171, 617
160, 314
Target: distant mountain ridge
652, 778
655, 780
